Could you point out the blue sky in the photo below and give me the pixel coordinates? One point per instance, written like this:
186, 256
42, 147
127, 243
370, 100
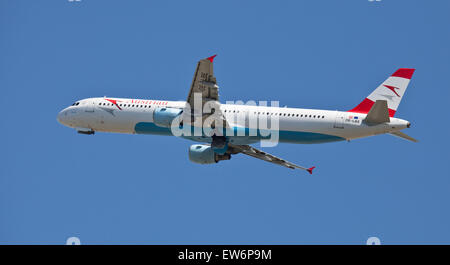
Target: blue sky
127, 189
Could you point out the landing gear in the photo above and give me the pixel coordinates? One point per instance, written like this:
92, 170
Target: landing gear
218, 157
87, 132
218, 142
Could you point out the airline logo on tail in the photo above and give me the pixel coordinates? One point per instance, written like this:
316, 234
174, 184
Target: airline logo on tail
393, 88
396, 83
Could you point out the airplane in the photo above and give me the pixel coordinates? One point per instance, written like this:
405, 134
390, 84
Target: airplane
373, 116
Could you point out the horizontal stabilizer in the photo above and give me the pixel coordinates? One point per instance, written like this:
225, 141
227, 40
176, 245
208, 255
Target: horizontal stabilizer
404, 136
379, 113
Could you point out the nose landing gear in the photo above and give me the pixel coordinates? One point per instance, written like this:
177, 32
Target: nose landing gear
86, 131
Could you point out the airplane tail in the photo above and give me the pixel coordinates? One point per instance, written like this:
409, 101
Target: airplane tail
391, 90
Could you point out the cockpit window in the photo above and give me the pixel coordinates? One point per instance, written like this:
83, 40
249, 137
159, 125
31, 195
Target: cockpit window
76, 104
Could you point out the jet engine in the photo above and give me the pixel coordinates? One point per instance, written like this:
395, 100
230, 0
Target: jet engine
163, 117
204, 154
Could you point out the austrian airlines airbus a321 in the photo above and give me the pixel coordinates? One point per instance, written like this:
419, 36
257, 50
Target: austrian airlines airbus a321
223, 130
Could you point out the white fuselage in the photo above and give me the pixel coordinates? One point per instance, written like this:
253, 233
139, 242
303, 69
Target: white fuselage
295, 125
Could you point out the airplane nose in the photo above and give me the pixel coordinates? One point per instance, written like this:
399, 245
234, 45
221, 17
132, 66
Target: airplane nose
61, 116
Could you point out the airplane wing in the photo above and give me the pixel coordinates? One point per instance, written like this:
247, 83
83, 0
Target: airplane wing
251, 151
204, 82
204, 89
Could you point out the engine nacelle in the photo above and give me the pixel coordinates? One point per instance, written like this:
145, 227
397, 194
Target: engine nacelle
204, 154
163, 117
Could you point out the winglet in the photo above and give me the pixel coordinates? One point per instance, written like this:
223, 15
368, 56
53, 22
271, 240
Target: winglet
211, 59
310, 169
